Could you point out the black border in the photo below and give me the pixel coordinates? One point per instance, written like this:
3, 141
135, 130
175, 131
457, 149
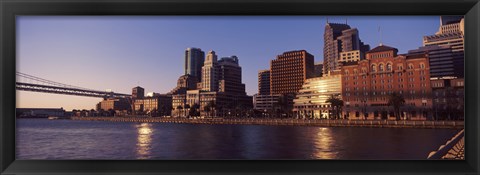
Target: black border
10, 8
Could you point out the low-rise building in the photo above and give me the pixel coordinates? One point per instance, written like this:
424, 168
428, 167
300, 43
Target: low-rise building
310, 101
114, 104
448, 99
158, 105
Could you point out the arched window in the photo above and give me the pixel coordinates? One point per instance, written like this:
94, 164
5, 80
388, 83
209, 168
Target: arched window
422, 66
355, 71
346, 72
381, 68
389, 67
410, 66
374, 68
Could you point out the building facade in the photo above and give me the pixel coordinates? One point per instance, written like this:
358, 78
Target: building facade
264, 82
310, 102
230, 76
138, 92
448, 99
289, 71
339, 38
210, 73
444, 63
266, 103
450, 33
158, 105
194, 59
318, 69
367, 85
116, 104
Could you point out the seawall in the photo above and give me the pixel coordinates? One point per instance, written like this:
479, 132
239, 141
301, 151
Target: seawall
295, 122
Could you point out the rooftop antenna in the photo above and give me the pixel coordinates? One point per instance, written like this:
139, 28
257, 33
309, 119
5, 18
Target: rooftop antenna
380, 33
346, 21
327, 19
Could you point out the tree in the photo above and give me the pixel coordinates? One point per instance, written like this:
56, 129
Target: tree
179, 107
187, 107
207, 109
396, 100
336, 105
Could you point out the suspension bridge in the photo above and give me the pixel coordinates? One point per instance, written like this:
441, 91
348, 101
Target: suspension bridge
32, 83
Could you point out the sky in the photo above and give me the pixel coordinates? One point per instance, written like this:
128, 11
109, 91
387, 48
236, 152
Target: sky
121, 52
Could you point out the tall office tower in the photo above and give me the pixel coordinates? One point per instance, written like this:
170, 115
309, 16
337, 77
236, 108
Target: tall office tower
210, 73
318, 70
289, 71
138, 92
194, 59
230, 76
450, 33
444, 63
264, 82
339, 39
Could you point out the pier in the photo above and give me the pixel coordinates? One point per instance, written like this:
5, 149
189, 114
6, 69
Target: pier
292, 122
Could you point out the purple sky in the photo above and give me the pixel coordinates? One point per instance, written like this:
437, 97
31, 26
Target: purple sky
118, 52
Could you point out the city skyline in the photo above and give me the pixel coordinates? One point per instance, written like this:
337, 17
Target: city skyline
45, 48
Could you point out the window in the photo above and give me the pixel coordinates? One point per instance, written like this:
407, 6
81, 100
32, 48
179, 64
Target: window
410, 66
422, 66
389, 67
380, 68
374, 69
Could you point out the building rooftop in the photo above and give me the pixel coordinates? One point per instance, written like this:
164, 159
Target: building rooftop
382, 48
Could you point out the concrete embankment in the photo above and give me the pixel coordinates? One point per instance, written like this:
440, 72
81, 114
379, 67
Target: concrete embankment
296, 122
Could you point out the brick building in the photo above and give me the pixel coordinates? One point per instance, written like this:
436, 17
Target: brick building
367, 84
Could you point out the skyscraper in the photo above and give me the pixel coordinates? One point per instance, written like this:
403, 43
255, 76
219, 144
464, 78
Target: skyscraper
210, 73
230, 76
194, 59
289, 71
264, 82
340, 38
450, 34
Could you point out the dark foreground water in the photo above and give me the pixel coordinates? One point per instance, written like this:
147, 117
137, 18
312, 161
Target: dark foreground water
71, 139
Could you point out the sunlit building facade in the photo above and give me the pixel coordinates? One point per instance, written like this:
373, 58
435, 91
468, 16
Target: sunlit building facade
367, 85
310, 102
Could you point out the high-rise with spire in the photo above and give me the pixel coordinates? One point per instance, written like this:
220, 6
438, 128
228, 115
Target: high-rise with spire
341, 43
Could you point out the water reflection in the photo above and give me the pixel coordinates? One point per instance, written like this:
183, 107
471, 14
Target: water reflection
324, 144
144, 140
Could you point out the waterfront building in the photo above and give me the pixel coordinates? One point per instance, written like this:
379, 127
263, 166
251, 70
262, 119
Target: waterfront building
194, 59
310, 101
340, 38
450, 33
178, 104
289, 71
138, 92
318, 69
444, 63
156, 105
266, 103
448, 98
264, 82
210, 73
116, 104
367, 84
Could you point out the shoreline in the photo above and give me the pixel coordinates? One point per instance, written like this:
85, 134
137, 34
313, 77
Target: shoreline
289, 122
